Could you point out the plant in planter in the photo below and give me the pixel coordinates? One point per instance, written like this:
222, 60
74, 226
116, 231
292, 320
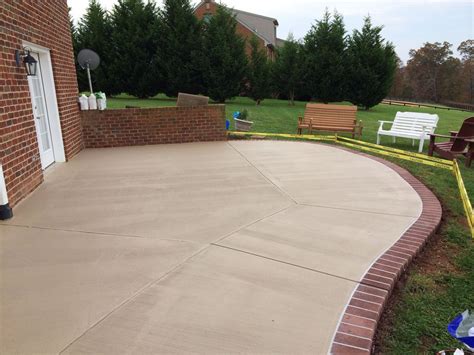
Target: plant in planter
241, 121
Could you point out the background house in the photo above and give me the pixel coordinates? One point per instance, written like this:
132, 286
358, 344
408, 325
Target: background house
39, 118
248, 25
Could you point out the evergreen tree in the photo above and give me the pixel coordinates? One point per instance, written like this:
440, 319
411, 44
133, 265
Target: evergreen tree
325, 46
226, 61
133, 65
93, 32
258, 72
181, 44
371, 65
288, 69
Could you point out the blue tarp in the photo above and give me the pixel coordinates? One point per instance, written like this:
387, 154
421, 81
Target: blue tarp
462, 328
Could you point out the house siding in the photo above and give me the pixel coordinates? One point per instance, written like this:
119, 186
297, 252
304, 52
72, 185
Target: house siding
242, 30
45, 24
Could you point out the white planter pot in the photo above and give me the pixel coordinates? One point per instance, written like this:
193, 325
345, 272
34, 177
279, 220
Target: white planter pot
101, 104
242, 125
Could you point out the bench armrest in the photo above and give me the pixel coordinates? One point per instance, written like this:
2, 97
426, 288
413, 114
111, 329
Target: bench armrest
440, 135
382, 122
470, 140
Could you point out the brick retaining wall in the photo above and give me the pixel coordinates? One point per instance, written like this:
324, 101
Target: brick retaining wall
128, 127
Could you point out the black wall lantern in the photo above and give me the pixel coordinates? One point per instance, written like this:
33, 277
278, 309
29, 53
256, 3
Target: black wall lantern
29, 61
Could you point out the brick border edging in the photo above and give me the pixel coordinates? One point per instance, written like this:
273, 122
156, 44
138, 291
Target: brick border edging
358, 324
357, 327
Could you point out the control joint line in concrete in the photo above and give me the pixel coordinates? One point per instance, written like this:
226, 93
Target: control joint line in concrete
153, 282
356, 210
135, 295
285, 262
92, 232
252, 223
296, 265
283, 192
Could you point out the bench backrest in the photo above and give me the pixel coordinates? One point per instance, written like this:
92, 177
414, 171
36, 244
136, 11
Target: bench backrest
415, 122
466, 130
337, 116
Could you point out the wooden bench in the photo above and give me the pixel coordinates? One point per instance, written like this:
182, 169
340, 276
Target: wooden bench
330, 118
413, 125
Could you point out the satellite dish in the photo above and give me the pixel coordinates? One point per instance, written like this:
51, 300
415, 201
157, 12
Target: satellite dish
89, 60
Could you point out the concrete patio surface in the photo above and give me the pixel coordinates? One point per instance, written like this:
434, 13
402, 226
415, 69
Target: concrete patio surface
225, 247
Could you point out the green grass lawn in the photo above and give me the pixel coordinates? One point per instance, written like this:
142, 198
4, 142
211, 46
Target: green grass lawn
439, 285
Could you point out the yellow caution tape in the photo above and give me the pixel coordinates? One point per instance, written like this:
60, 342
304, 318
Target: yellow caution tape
464, 197
284, 135
397, 155
400, 151
387, 151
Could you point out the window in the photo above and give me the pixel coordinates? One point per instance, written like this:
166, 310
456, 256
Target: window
207, 17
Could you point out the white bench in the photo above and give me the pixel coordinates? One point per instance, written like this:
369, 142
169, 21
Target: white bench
413, 125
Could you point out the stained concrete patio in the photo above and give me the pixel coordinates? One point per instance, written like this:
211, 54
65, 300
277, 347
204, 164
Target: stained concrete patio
245, 246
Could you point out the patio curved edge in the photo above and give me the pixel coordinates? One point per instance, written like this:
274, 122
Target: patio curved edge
359, 321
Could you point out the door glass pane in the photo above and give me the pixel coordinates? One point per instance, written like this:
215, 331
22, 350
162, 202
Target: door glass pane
45, 141
39, 106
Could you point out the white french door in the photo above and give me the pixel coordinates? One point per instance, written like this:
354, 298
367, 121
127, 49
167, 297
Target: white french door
41, 117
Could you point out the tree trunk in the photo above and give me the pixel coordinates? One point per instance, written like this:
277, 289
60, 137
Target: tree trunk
292, 98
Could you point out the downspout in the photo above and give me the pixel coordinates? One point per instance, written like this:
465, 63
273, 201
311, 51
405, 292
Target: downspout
5, 209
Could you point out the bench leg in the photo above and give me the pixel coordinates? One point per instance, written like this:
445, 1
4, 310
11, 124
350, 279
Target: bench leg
469, 154
394, 139
378, 139
432, 146
420, 147
412, 142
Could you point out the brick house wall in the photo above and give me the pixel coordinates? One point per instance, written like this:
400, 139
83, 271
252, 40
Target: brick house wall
129, 127
211, 8
44, 23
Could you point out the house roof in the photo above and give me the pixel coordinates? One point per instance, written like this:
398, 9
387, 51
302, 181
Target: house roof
280, 42
262, 26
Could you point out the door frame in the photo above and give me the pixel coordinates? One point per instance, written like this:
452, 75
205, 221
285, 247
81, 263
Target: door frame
50, 98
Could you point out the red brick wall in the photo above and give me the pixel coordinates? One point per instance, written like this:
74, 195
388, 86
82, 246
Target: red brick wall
128, 127
45, 23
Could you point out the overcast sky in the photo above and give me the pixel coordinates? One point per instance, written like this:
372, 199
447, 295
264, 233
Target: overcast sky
407, 23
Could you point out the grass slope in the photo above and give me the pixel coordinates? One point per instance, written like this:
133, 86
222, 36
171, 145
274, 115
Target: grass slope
441, 284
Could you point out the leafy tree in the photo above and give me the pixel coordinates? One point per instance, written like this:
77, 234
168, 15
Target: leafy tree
93, 32
371, 64
258, 72
466, 48
226, 61
450, 79
424, 68
181, 48
133, 63
397, 89
288, 68
325, 46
